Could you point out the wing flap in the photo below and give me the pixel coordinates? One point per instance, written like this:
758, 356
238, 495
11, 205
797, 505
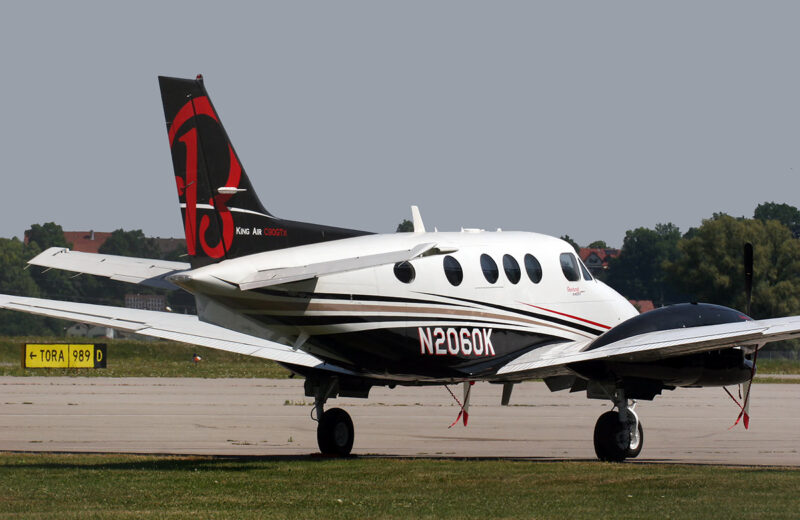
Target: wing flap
655, 346
141, 271
165, 325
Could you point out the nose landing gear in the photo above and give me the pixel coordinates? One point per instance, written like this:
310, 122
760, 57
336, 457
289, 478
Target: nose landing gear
618, 435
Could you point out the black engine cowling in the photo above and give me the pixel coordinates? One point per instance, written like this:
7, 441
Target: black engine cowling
683, 315
716, 368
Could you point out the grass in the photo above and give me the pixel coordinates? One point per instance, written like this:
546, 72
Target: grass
127, 358
131, 486
779, 366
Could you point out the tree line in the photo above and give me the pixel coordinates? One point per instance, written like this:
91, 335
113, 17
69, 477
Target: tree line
706, 264
662, 264
18, 278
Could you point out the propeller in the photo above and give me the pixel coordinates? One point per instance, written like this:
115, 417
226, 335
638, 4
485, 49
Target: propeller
748, 290
748, 275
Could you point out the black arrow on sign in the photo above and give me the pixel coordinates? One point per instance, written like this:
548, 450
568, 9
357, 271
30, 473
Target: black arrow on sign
32, 355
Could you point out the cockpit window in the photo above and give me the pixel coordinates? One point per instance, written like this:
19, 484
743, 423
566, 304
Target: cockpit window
452, 270
586, 275
489, 267
511, 267
569, 266
533, 268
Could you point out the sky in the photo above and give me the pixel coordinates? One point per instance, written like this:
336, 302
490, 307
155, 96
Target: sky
582, 118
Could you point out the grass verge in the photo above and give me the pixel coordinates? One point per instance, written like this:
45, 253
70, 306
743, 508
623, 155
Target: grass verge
779, 366
130, 486
127, 358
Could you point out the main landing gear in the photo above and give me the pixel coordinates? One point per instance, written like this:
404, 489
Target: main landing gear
618, 435
335, 432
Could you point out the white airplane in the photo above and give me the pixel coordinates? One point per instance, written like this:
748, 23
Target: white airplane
349, 310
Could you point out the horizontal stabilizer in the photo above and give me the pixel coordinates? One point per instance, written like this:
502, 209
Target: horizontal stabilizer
176, 327
142, 271
283, 275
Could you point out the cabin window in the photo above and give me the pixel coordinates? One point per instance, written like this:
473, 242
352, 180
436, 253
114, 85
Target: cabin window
511, 267
452, 270
569, 266
489, 268
533, 268
404, 272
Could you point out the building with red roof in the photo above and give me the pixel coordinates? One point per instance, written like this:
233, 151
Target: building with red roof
596, 259
86, 241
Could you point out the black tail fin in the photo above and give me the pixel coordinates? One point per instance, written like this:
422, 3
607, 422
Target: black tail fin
222, 215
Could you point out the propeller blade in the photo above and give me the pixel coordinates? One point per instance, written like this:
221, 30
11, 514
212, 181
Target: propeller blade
748, 275
744, 388
467, 392
463, 412
746, 407
748, 290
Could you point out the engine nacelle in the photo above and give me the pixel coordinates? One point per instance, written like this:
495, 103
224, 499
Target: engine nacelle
716, 368
682, 315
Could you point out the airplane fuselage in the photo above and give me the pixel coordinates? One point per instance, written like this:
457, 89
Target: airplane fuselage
479, 300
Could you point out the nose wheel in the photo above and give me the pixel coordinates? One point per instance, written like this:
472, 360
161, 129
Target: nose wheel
618, 435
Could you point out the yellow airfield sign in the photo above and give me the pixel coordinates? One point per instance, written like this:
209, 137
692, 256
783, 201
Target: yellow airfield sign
63, 355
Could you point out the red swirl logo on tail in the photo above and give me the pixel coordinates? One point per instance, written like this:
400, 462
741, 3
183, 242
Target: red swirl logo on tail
188, 187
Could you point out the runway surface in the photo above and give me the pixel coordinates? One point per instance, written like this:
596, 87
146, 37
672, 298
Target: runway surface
271, 417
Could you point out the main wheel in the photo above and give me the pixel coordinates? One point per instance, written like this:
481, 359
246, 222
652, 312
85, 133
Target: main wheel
613, 441
335, 433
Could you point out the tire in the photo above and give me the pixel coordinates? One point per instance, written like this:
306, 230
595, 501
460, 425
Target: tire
611, 438
335, 433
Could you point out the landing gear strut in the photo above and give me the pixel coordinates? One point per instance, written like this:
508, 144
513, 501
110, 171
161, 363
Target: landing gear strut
335, 432
618, 435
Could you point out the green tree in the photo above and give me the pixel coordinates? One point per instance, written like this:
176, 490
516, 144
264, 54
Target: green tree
57, 284
638, 271
406, 226
130, 243
710, 266
575, 246
47, 235
15, 279
598, 244
787, 215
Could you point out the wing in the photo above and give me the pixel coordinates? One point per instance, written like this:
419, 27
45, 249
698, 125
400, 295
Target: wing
655, 346
268, 277
177, 327
121, 268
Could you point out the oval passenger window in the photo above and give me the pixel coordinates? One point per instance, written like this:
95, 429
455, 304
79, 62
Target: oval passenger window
511, 267
452, 270
489, 268
404, 272
533, 268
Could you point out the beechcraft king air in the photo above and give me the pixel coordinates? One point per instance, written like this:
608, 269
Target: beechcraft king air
350, 310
